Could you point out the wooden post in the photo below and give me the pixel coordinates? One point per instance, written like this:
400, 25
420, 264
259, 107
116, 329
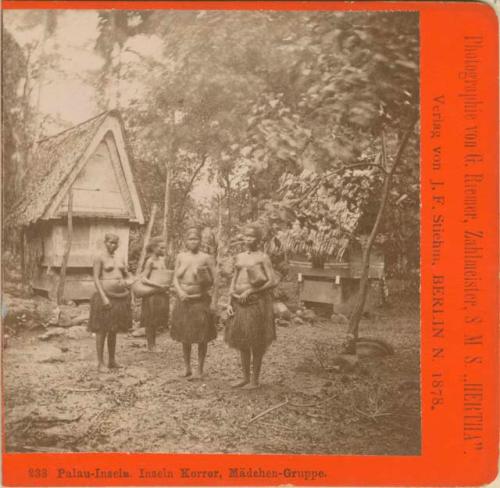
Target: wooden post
147, 237
64, 265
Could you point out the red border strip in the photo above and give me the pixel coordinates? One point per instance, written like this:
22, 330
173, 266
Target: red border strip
212, 5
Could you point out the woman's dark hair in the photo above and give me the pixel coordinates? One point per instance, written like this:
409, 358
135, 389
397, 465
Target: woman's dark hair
193, 229
154, 242
257, 230
110, 236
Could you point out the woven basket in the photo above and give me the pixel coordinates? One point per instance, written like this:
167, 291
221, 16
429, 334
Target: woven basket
162, 277
114, 286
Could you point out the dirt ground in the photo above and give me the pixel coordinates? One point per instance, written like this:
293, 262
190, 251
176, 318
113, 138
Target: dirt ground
55, 400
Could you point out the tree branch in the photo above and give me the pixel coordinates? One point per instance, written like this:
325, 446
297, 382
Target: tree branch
367, 165
152, 62
383, 153
343, 168
189, 186
404, 142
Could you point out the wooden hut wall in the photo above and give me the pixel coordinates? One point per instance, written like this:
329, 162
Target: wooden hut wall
33, 248
87, 241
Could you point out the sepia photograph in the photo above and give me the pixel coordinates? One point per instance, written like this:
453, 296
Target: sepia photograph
211, 232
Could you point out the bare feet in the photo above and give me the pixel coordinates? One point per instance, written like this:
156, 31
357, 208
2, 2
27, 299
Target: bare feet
251, 386
197, 376
241, 383
187, 374
101, 368
114, 365
151, 348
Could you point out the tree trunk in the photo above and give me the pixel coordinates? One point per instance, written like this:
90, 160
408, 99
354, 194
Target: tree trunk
147, 237
50, 22
166, 208
24, 271
254, 201
364, 284
215, 295
187, 191
113, 88
228, 201
39, 87
26, 123
353, 330
64, 265
119, 66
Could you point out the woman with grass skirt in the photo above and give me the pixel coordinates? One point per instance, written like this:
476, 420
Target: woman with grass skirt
250, 328
156, 305
193, 321
110, 305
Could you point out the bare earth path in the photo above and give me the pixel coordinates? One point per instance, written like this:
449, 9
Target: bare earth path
56, 401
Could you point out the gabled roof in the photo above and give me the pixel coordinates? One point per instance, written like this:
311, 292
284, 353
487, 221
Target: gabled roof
56, 163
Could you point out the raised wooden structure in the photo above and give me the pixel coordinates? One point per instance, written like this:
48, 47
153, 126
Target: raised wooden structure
337, 282
91, 159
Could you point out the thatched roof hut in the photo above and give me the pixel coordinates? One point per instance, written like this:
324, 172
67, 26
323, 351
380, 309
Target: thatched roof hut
91, 160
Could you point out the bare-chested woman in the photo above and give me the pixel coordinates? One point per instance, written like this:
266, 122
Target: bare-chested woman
155, 307
251, 326
110, 310
192, 318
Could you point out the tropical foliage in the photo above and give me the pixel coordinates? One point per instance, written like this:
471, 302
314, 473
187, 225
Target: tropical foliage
290, 118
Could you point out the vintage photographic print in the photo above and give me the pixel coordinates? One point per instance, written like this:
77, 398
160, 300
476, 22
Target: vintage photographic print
210, 233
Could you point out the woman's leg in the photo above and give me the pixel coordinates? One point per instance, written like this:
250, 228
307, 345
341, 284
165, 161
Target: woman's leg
112, 350
202, 354
186, 351
257, 355
151, 337
100, 337
245, 366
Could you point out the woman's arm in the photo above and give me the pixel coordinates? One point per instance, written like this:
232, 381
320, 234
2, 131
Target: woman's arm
177, 274
231, 288
235, 277
148, 268
212, 268
97, 279
124, 268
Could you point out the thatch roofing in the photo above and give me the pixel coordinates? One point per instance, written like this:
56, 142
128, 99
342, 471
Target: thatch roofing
324, 221
324, 239
52, 163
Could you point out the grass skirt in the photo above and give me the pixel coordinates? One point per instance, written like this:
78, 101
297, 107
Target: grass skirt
252, 324
192, 321
118, 318
154, 311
